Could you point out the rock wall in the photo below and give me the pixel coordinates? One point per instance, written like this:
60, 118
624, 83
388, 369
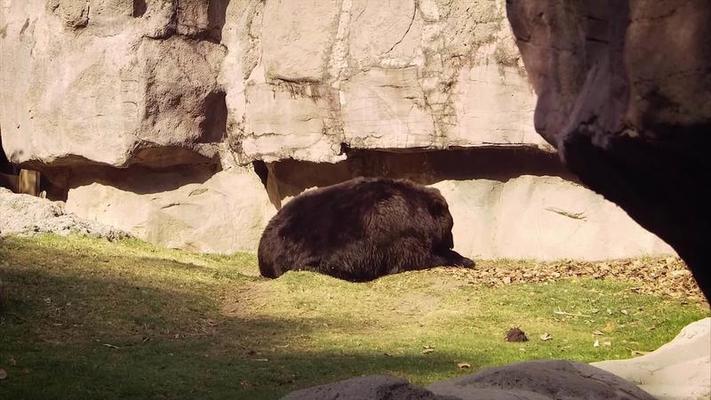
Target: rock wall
406, 74
149, 114
111, 82
165, 83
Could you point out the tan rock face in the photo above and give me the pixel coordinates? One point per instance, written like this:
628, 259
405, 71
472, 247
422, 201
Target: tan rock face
162, 83
386, 75
103, 81
542, 218
92, 91
224, 214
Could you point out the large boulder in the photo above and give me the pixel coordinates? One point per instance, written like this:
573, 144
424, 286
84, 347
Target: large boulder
374, 387
22, 214
533, 380
168, 82
624, 90
541, 380
113, 82
679, 370
224, 214
542, 218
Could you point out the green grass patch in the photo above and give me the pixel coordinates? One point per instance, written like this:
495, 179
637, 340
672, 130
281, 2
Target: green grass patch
86, 318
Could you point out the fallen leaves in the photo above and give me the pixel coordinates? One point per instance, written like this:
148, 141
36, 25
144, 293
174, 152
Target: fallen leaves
427, 349
546, 337
463, 365
659, 276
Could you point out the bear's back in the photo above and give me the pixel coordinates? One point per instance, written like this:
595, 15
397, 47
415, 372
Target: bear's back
334, 215
357, 230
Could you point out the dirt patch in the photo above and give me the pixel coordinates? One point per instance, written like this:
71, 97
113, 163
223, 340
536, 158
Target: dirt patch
251, 296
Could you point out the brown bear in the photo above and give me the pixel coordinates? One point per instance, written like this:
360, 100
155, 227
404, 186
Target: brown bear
360, 230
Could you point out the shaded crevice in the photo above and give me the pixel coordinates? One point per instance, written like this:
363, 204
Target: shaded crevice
289, 177
139, 8
214, 127
572, 215
5, 166
8, 171
137, 179
217, 14
260, 168
156, 156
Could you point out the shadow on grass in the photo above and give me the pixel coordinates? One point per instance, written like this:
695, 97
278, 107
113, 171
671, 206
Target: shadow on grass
81, 324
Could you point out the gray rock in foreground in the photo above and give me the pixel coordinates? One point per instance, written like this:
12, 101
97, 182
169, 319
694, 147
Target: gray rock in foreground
679, 370
533, 380
373, 387
541, 380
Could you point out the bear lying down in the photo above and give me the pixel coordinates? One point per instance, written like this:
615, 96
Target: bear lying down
360, 230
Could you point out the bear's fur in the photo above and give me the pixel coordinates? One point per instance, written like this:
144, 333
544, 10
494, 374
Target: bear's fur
360, 230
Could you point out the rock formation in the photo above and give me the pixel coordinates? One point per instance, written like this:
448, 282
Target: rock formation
533, 380
112, 82
147, 102
624, 89
22, 214
679, 370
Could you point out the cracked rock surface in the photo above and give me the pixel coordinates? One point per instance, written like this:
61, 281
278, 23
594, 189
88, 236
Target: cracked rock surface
162, 83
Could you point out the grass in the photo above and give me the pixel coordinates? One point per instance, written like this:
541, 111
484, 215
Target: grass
85, 318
